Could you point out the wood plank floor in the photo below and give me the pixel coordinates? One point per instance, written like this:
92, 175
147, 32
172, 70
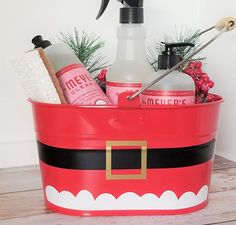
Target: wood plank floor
21, 202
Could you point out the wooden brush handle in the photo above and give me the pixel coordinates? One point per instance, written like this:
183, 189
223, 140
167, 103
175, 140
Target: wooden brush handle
52, 74
225, 22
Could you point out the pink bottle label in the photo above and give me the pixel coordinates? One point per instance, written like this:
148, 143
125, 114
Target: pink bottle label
79, 88
156, 97
114, 89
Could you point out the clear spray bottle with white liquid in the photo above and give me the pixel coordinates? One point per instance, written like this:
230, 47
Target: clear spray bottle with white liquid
175, 89
131, 66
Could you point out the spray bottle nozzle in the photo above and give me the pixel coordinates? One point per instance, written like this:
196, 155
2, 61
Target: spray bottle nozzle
103, 7
132, 3
169, 57
132, 11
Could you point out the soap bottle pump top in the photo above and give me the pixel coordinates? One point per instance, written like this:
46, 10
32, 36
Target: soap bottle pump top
130, 13
169, 57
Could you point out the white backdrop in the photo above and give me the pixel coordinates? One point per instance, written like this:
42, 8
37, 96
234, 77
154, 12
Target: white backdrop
222, 67
22, 20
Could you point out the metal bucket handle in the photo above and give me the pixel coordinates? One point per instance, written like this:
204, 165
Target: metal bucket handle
226, 24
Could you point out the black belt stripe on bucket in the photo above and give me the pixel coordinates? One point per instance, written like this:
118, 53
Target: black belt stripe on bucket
93, 159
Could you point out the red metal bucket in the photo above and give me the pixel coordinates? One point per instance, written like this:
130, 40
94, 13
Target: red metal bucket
126, 159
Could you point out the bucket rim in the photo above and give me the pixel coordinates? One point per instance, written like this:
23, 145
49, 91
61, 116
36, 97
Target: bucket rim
37, 103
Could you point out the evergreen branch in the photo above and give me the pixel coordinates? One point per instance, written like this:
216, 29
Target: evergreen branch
86, 48
152, 59
184, 35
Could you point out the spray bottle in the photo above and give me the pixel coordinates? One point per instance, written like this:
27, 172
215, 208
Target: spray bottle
175, 89
131, 66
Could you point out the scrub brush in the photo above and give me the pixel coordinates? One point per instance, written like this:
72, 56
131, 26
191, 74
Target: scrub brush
52, 74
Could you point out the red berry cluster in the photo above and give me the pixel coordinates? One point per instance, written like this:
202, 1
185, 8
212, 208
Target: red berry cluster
101, 79
202, 81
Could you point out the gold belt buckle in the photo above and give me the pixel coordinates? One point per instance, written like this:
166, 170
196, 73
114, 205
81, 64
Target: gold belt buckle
142, 175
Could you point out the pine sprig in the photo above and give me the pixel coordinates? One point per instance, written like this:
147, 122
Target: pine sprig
86, 49
184, 35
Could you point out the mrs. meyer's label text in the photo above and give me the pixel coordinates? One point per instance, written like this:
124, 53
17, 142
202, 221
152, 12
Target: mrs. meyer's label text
79, 88
156, 97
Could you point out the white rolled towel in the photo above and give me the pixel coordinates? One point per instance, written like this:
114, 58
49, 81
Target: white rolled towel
35, 78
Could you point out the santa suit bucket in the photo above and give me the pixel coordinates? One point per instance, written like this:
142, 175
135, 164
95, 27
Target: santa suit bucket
126, 159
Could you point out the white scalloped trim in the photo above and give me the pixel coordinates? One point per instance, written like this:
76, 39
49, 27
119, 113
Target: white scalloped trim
127, 201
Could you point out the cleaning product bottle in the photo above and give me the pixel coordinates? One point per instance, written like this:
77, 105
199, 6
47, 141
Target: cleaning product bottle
78, 86
174, 89
131, 65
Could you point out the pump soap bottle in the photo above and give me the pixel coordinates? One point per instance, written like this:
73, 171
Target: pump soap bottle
78, 86
175, 89
131, 66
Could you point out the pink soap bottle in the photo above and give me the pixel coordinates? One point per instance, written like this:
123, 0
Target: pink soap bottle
174, 89
78, 86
